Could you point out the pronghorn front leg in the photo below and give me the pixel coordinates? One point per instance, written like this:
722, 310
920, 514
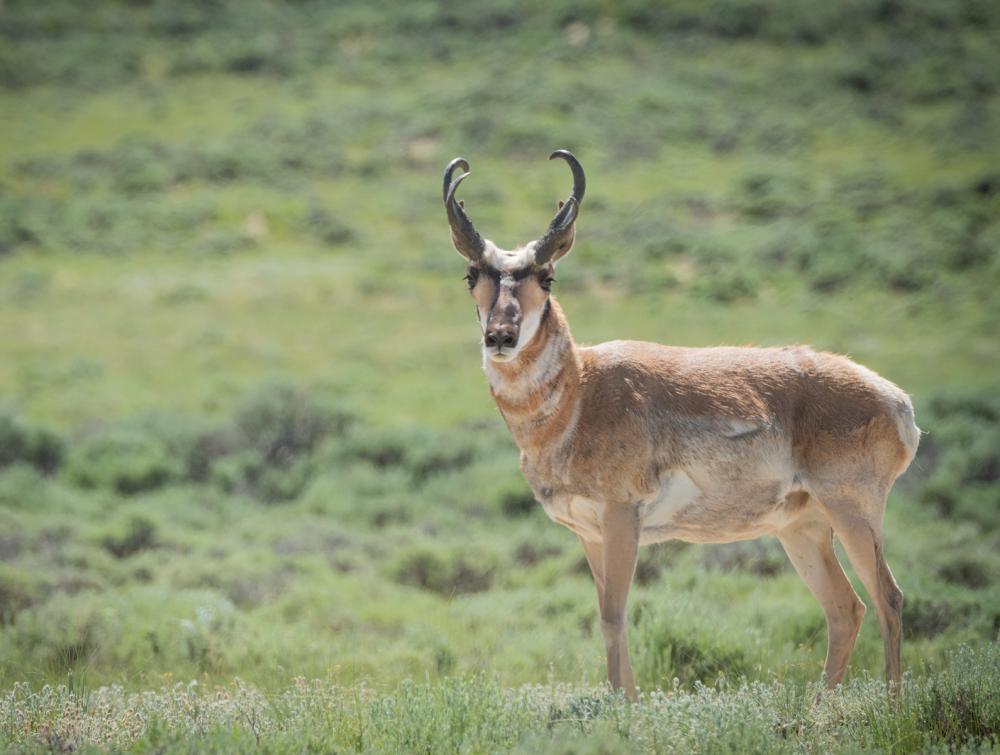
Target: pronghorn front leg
595, 559
621, 548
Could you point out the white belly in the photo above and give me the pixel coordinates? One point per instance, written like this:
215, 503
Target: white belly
656, 517
584, 515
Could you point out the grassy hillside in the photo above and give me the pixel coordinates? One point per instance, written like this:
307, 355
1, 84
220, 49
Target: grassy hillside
244, 430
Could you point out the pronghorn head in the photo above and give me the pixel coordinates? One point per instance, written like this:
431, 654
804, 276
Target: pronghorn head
511, 288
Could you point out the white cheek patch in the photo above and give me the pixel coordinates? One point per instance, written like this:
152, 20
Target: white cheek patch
529, 327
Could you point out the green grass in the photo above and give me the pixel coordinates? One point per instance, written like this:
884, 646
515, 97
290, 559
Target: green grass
88, 348
947, 708
244, 431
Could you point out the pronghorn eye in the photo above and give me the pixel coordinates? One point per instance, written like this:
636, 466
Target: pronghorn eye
471, 277
547, 282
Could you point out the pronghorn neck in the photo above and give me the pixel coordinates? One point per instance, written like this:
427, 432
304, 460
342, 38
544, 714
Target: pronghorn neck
537, 392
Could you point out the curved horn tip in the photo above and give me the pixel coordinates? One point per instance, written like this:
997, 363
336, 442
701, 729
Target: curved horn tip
458, 162
450, 194
579, 177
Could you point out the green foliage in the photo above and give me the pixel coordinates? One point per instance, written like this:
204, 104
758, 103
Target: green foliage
783, 205
963, 444
281, 423
948, 708
199, 197
127, 538
329, 229
675, 646
19, 589
127, 462
23, 442
763, 557
73, 632
22, 486
174, 503
450, 572
930, 616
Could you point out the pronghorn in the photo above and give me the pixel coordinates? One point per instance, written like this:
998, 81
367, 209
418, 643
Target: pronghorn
628, 443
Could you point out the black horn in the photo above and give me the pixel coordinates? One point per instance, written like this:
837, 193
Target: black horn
559, 237
464, 235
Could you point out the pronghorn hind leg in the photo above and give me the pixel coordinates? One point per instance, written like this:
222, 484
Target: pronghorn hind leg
620, 550
809, 545
861, 537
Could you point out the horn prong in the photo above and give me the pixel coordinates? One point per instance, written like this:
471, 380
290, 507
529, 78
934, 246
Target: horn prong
559, 236
467, 240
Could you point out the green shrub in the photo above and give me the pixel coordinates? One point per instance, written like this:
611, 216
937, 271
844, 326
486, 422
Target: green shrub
248, 473
654, 560
127, 462
225, 241
364, 495
282, 422
959, 705
766, 196
419, 451
19, 589
968, 569
960, 456
673, 643
22, 486
725, 285
328, 229
21, 442
763, 557
448, 571
927, 617
518, 502
143, 628
195, 443
128, 537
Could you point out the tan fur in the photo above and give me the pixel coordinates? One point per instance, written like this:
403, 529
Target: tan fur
631, 442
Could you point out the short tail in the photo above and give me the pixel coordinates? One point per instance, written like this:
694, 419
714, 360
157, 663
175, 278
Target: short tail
906, 426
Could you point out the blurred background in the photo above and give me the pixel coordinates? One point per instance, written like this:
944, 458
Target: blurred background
245, 429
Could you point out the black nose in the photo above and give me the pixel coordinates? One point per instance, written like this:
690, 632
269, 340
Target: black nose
501, 337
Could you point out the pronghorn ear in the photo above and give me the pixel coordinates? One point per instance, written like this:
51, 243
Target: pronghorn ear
557, 248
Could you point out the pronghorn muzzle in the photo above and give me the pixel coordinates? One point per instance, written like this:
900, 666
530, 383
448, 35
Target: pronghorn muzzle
503, 323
